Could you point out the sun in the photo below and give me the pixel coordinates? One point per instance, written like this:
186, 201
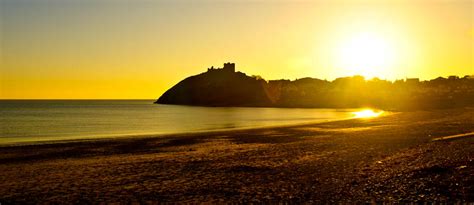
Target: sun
366, 53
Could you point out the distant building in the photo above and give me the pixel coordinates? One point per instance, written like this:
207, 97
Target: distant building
453, 77
399, 81
412, 80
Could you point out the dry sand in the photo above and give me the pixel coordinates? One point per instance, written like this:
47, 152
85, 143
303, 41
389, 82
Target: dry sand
399, 157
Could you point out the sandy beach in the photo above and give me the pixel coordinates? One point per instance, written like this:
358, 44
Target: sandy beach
406, 156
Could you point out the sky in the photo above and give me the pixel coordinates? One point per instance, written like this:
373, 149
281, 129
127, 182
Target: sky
124, 49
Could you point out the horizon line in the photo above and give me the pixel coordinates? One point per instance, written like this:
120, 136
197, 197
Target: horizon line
65, 99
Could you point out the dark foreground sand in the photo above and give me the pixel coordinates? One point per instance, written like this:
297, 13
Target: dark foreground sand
391, 158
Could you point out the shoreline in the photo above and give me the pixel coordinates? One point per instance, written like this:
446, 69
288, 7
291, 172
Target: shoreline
106, 137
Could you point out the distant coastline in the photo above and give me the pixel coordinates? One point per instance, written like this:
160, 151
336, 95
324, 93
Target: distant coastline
223, 87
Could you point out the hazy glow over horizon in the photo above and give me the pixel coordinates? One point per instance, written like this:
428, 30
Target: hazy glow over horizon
121, 49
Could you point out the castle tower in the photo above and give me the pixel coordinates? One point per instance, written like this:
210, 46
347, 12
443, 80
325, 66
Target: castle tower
230, 67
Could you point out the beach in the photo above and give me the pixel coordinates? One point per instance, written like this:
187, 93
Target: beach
403, 156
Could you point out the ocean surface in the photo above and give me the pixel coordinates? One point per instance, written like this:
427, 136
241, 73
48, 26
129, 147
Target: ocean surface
34, 121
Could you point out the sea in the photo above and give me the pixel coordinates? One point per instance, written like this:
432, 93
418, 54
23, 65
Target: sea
45, 121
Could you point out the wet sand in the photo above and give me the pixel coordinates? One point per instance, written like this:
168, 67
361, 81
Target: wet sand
408, 157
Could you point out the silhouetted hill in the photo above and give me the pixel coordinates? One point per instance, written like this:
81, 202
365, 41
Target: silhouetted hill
225, 87
218, 87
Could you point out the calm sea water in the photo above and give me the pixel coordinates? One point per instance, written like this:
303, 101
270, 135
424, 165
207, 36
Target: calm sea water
44, 120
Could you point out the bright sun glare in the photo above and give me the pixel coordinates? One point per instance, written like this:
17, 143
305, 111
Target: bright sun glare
368, 113
365, 53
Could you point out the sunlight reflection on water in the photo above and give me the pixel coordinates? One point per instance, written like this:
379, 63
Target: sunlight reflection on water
367, 113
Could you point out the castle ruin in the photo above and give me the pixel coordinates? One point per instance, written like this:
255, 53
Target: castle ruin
228, 67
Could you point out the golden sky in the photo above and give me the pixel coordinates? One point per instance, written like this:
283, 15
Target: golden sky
124, 49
